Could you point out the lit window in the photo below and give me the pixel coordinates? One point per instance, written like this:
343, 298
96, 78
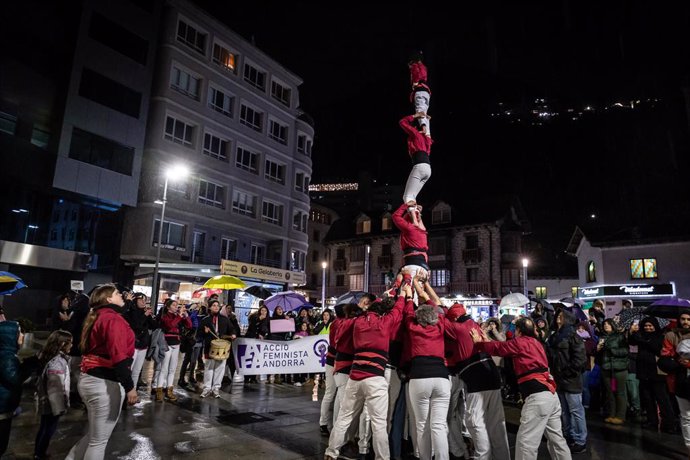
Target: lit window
540, 292
281, 93
386, 222
215, 147
643, 268
297, 260
255, 77
439, 278
591, 272
224, 58
573, 292
363, 225
357, 282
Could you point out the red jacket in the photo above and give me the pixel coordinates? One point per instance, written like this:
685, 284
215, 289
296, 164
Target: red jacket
411, 236
345, 346
417, 141
332, 332
170, 323
372, 335
426, 350
418, 73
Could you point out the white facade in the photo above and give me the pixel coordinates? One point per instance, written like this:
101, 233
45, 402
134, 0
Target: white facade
552, 287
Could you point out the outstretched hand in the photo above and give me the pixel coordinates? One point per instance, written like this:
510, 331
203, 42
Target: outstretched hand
477, 337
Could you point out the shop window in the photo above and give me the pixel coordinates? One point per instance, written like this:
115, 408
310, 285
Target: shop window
643, 268
540, 292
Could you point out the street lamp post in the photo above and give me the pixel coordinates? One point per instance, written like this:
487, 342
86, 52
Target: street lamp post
324, 264
174, 172
525, 263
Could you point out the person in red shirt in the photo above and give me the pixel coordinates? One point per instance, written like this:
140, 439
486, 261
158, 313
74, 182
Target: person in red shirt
413, 242
541, 413
107, 344
421, 93
367, 386
419, 149
173, 318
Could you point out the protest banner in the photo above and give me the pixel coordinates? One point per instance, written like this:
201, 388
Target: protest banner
259, 357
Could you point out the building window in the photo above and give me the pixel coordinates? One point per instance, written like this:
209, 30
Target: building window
101, 152
573, 292
198, 243
643, 268
300, 184
191, 37
258, 253
591, 272
211, 194
243, 203
178, 131
220, 102
184, 83
320, 217
299, 221
250, 117
339, 280
304, 144
173, 234
317, 236
8, 123
440, 214
247, 160
540, 292
472, 275
280, 93
274, 172
278, 132
272, 212
215, 147
228, 249
357, 253
437, 246
224, 58
118, 38
255, 77
363, 225
357, 282
471, 241
386, 222
297, 260
109, 93
439, 278
315, 256
40, 137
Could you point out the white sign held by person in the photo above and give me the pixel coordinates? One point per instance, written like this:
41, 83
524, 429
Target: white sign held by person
257, 357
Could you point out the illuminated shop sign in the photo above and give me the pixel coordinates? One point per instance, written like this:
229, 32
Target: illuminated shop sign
627, 290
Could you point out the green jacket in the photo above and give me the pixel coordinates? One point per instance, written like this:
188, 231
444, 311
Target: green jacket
614, 355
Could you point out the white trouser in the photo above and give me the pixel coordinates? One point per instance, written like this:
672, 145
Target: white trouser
430, 398
411, 422
339, 380
363, 428
422, 100
213, 374
138, 364
486, 423
541, 415
394, 385
328, 397
684, 406
371, 393
168, 366
419, 174
456, 412
103, 399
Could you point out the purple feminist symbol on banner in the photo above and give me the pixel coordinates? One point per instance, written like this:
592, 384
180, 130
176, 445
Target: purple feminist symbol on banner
243, 361
321, 348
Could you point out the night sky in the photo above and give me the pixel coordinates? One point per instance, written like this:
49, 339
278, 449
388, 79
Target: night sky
578, 107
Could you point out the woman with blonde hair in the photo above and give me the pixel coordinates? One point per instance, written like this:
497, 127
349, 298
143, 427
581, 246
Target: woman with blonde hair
107, 344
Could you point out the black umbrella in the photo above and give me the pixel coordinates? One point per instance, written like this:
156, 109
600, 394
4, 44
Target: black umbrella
259, 291
628, 316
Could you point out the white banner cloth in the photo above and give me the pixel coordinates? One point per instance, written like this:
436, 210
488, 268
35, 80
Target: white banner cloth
257, 357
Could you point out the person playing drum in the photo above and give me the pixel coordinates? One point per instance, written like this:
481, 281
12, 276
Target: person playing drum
216, 327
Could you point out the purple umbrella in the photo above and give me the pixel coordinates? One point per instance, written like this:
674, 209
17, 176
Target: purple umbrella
670, 307
288, 300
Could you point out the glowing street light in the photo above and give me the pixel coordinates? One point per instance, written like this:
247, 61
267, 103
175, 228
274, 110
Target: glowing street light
525, 264
324, 265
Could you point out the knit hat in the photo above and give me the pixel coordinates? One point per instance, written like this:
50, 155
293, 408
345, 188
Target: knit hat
456, 311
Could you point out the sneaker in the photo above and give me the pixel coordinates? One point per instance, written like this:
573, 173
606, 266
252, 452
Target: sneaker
578, 448
324, 430
205, 393
297, 384
216, 394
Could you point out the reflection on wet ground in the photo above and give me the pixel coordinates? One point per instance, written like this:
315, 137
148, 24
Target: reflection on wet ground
272, 421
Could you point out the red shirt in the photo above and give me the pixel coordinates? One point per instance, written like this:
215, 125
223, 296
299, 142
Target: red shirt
372, 335
418, 72
345, 346
411, 236
111, 339
424, 340
170, 323
332, 331
417, 141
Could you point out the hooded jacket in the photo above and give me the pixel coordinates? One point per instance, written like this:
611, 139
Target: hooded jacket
567, 356
10, 378
676, 379
649, 346
614, 355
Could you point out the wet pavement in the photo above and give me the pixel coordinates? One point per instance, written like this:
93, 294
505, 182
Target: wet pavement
271, 421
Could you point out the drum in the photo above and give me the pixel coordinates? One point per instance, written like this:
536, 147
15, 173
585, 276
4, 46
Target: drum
220, 349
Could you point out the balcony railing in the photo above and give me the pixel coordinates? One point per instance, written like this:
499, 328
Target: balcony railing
470, 287
472, 256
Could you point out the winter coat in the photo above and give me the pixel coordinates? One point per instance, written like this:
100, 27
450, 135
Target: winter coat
53, 386
141, 324
158, 347
567, 356
649, 346
614, 356
221, 329
10, 377
677, 378
257, 327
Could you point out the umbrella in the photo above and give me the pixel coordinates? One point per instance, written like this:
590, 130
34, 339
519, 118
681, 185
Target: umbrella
513, 300
545, 304
10, 283
289, 300
628, 316
306, 306
575, 309
205, 292
670, 307
226, 282
258, 291
350, 297
572, 301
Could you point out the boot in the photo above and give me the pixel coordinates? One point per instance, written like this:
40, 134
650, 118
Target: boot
170, 395
159, 394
